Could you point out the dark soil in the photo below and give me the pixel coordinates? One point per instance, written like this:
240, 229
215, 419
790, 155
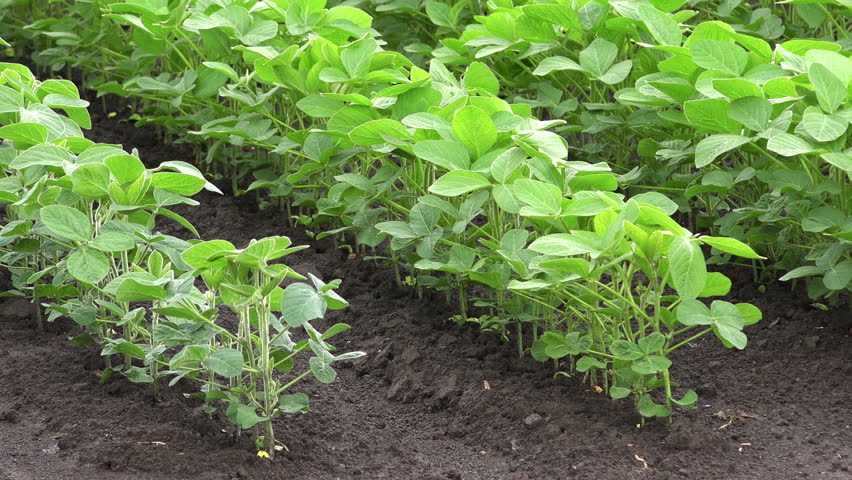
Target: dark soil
431, 400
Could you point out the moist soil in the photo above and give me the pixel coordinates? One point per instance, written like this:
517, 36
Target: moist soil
431, 400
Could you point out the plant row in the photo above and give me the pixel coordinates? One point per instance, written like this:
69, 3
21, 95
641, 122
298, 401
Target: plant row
461, 185
79, 240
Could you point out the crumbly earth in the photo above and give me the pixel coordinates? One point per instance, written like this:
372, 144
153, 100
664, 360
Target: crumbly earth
431, 400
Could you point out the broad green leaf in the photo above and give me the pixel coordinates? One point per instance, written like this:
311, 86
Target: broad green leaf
750, 313
88, 266
829, 89
711, 147
598, 56
226, 362
728, 323
839, 160
113, 242
125, 168
650, 364
551, 64
617, 73
731, 245
717, 285
564, 244
197, 256
788, 145
478, 76
91, 180
24, 135
131, 290
301, 303
753, 112
475, 129
735, 88
647, 408
243, 415
712, 114
322, 371
544, 198
725, 57
838, 276
587, 363
375, 132
687, 267
458, 182
444, 153
693, 312
624, 350
652, 343
67, 222
661, 25
823, 128
295, 403
179, 183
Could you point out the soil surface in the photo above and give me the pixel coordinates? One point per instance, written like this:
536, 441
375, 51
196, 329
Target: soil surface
431, 400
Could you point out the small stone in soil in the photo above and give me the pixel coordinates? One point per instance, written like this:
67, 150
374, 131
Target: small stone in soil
532, 419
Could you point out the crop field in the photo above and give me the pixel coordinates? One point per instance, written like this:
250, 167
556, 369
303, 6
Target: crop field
415, 239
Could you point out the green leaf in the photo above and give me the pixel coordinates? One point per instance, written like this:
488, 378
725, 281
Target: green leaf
712, 114
647, 408
564, 244
475, 129
717, 285
789, 145
322, 371
179, 183
551, 64
731, 245
243, 415
598, 56
91, 180
226, 362
687, 267
478, 76
688, 399
839, 160
750, 313
823, 128
544, 198
458, 182
197, 255
587, 363
650, 364
131, 290
652, 343
838, 276
67, 222
24, 135
753, 112
375, 132
725, 57
125, 168
444, 153
711, 147
295, 403
301, 303
662, 26
624, 350
728, 323
829, 89
693, 312
619, 392
113, 242
88, 266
